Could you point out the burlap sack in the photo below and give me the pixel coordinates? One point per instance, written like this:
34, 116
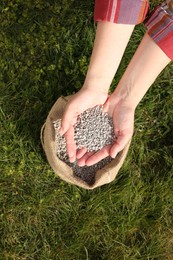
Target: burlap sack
106, 175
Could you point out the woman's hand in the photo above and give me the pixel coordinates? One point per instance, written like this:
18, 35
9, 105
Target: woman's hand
82, 100
123, 120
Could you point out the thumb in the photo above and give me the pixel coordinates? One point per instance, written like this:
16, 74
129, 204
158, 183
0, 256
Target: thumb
119, 144
106, 105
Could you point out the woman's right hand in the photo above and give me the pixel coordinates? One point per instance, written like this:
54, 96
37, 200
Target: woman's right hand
78, 103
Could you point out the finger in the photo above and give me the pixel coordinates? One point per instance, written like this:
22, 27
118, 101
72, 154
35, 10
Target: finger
81, 162
81, 152
98, 156
66, 121
70, 144
65, 125
119, 145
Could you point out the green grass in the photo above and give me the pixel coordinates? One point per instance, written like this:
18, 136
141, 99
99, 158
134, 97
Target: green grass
45, 49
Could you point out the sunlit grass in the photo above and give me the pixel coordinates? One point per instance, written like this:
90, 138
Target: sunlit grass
45, 50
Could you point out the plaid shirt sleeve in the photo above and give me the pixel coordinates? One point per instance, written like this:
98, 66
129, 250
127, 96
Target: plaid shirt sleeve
159, 23
160, 27
120, 11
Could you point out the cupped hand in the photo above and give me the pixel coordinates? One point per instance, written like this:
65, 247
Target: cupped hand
78, 103
123, 120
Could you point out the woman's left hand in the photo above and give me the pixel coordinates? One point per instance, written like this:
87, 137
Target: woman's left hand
123, 120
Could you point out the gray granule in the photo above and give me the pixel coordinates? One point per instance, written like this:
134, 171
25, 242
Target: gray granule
93, 130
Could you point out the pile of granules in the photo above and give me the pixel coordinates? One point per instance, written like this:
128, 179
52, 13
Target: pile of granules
93, 130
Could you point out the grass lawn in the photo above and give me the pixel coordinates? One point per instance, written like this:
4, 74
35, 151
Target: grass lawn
45, 48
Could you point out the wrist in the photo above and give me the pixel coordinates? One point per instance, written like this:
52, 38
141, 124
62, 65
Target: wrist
96, 84
126, 96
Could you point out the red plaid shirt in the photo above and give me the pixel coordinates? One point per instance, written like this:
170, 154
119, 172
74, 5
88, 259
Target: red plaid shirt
159, 23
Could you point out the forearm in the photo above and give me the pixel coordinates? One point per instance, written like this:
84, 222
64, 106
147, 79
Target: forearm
147, 63
116, 21
109, 45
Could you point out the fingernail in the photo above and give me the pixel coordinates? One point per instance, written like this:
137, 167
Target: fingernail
61, 132
88, 164
113, 156
81, 164
71, 159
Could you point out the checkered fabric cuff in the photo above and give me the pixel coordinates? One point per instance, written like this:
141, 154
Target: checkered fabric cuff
160, 27
121, 11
